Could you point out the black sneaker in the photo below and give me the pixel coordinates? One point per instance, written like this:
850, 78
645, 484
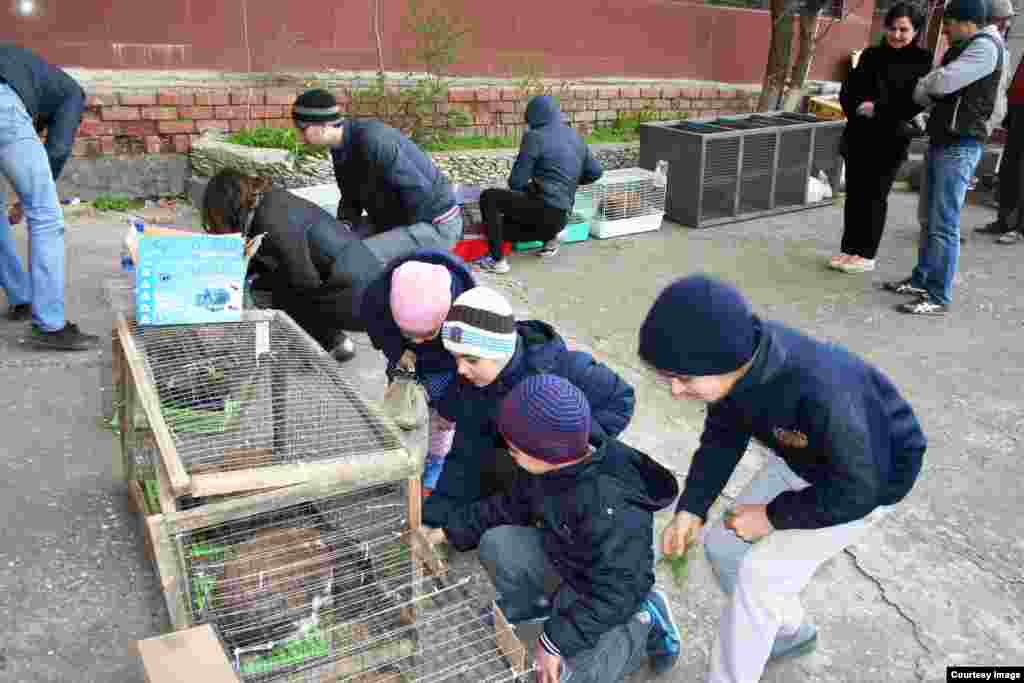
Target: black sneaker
924, 306
996, 227
68, 338
19, 312
906, 287
344, 349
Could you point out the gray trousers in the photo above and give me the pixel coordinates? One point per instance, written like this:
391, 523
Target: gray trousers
515, 559
406, 239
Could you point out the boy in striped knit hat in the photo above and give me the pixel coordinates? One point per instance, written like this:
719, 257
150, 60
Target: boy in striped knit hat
585, 515
492, 354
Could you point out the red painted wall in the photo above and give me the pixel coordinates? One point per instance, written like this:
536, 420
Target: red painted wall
571, 38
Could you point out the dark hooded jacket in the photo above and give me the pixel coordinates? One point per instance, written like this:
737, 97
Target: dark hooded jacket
50, 95
435, 367
553, 156
382, 171
316, 269
539, 349
597, 524
836, 421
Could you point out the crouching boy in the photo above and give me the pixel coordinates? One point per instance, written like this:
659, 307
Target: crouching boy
584, 515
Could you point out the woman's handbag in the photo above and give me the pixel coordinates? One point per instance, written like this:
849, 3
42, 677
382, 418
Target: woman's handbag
405, 401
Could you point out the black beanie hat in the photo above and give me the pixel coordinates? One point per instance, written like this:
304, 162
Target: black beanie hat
975, 11
698, 326
315, 108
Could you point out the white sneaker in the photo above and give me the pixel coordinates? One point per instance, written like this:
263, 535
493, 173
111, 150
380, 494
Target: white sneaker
489, 265
838, 260
856, 264
549, 249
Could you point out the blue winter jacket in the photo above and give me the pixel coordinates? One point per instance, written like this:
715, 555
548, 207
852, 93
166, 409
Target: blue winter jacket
381, 170
838, 422
553, 156
50, 95
435, 367
597, 524
539, 349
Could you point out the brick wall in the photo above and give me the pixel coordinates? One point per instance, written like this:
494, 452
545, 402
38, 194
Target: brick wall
170, 120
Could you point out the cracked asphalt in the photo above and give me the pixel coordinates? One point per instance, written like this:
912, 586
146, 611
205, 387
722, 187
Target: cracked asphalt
937, 583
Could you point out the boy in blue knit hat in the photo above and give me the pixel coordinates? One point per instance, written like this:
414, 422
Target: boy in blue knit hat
844, 446
586, 515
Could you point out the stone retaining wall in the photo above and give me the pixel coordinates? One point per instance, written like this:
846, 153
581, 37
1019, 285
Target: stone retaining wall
169, 120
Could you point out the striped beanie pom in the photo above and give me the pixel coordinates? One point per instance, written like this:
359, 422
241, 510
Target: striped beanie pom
480, 323
546, 417
315, 108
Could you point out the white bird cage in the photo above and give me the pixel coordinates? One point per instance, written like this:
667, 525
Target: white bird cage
629, 200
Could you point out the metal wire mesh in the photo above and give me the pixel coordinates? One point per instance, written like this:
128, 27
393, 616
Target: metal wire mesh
256, 393
628, 193
328, 590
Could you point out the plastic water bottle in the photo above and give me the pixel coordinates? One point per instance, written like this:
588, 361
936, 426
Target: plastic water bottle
136, 226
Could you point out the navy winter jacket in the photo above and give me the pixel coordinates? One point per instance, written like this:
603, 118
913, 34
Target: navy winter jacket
539, 349
49, 94
382, 171
597, 524
553, 155
435, 367
838, 422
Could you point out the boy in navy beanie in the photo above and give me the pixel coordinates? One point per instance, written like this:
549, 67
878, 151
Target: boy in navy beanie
844, 446
595, 508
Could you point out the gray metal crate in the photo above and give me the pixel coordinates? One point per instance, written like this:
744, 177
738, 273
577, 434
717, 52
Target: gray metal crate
741, 167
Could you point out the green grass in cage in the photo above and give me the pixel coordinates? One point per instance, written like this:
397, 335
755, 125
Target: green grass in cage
293, 653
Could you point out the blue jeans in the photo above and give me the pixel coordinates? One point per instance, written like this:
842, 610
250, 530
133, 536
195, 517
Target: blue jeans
514, 556
948, 171
24, 163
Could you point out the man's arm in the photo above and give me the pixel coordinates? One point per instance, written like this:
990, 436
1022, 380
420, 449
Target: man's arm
976, 62
522, 169
61, 130
722, 444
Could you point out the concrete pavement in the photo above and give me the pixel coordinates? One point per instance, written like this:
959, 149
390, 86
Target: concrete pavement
938, 583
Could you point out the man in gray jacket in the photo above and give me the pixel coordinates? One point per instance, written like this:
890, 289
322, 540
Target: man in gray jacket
962, 93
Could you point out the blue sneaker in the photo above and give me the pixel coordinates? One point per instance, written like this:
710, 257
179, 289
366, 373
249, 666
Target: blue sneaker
803, 642
432, 467
663, 641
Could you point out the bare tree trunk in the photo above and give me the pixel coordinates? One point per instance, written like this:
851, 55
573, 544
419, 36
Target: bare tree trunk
778, 57
376, 31
802, 65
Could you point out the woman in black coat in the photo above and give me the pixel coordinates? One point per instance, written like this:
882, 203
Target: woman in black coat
877, 98
315, 269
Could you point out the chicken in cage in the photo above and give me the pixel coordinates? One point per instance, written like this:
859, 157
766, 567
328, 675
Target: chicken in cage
629, 200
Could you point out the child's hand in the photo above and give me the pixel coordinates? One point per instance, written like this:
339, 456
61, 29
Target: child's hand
548, 666
749, 522
866, 109
435, 536
15, 213
680, 533
407, 361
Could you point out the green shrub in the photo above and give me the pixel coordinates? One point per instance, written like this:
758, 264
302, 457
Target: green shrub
275, 138
109, 202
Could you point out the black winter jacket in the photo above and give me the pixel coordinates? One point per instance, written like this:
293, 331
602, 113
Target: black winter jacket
885, 76
838, 422
553, 156
382, 171
49, 94
435, 367
597, 521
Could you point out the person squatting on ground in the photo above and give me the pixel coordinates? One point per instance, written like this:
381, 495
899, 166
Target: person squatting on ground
35, 94
844, 447
962, 94
409, 202
314, 268
403, 310
553, 160
1008, 227
493, 353
584, 516
877, 98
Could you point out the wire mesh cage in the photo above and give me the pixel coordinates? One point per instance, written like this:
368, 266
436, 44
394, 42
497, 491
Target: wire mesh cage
233, 407
332, 588
628, 200
735, 168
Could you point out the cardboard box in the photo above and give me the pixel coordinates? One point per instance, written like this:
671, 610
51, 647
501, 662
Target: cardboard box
186, 657
189, 280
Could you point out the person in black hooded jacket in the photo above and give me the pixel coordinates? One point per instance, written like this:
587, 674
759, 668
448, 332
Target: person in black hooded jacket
315, 269
583, 514
553, 160
492, 354
877, 98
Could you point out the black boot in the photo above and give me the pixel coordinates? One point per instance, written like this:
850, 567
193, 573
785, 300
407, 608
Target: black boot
67, 338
